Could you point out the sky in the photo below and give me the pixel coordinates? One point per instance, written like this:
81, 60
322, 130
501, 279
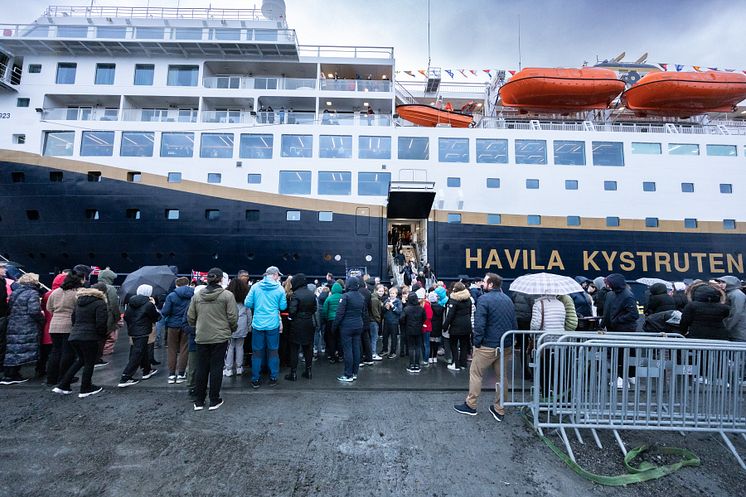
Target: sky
482, 34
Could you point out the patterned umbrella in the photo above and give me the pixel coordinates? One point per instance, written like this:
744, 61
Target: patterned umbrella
545, 284
653, 281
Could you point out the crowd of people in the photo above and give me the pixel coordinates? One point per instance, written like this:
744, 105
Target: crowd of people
357, 322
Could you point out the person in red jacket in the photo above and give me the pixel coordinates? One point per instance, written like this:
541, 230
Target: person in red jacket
46, 338
427, 327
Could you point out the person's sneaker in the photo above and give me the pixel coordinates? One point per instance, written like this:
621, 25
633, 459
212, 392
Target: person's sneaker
377, 358
239, 371
465, 409
214, 407
272, 382
361, 365
147, 376
61, 391
411, 369
228, 372
93, 390
100, 364
453, 367
181, 378
498, 417
392, 356
127, 383
198, 407
13, 381
369, 363
346, 379
620, 383
354, 377
172, 378
255, 383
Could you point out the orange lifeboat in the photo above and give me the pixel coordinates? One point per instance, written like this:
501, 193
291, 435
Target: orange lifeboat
686, 93
561, 90
425, 115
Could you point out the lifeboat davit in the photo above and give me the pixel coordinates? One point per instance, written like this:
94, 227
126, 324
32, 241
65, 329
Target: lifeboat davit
425, 115
685, 94
561, 90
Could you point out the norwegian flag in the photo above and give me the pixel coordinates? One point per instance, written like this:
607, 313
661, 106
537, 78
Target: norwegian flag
199, 275
95, 270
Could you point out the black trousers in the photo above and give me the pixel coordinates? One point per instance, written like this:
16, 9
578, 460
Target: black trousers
41, 363
307, 355
330, 339
60, 359
367, 355
139, 358
390, 336
86, 353
210, 361
460, 349
3, 339
414, 342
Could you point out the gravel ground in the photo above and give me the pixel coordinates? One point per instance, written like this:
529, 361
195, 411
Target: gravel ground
148, 441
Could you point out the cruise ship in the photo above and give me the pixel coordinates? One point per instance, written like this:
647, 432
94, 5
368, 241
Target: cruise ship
212, 137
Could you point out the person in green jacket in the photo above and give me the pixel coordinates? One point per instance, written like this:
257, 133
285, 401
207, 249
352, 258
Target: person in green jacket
213, 312
329, 312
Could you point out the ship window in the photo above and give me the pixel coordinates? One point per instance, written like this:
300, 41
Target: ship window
296, 146
612, 222
532, 184
255, 146
188, 33
326, 216
610, 186
72, 31
97, 143
651, 222
414, 148
32, 215
105, 74
690, 223
92, 214
19, 139
648, 186
144, 74
133, 214
729, 224
292, 216
174, 177
23, 102
683, 149
252, 215
55, 176
494, 219
295, 182
212, 214
59, 143
530, 152
374, 147
533, 220
722, 150
573, 220
687, 187
490, 151
172, 214
216, 146
453, 182
177, 144
335, 182
726, 188
646, 148
373, 184
569, 153
453, 149
265, 34
137, 144
454, 218
149, 33
335, 147
608, 154
571, 184
134, 176
225, 34
111, 32
94, 176
254, 179
34, 68
66, 73
18, 177
493, 182
214, 178
182, 75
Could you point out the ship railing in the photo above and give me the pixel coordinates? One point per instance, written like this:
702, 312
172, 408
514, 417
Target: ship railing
159, 115
260, 83
686, 129
364, 85
155, 13
404, 94
346, 52
80, 114
228, 117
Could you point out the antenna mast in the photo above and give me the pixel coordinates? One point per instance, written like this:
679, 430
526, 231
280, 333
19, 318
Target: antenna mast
519, 43
428, 34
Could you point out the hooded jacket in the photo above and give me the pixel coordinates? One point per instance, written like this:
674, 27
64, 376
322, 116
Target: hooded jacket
90, 317
332, 303
392, 316
56, 283
376, 307
301, 311
107, 276
61, 304
523, 305
620, 307
458, 321
140, 316
352, 312
735, 323
582, 302
266, 299
659, 300
214, 315
437, 319
367, 296
571, 316
703, 316
599, 298
493, 316
413, 317
176, 306
24, 323
549, 313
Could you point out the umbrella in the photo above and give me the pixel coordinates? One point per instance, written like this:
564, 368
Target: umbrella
653, 281
545, 284
159, 277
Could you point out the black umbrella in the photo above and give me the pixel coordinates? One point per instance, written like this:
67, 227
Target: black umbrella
159, 277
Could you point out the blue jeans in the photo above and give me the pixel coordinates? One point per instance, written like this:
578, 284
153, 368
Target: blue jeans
426, 343
318, 339
160, 327
351, 347
374, 337
262, 340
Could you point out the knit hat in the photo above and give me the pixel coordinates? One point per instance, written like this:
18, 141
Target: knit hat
420, 293
145, 290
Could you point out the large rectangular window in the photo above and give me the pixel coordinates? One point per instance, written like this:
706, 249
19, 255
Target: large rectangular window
215, 178
137, 144
187, 33
105, 74
726, 188
690, 223
492, 151
414, 148
296, 146
374, 147
254, 178
573, 220
453, 150
683, 149
729, 224
532, 184
533, 220
494, 219
335, 183
571, 184
648, 186
722, 150
97, 143
177, 144
216, 146
651, 222
183, 75
612, 222
569, 153
493, 182
149, 33
454, 218
687, 187
255, 146
111, 32
225, 34
144, 74
295, 182
72, 31
66, 73
646, 148
608, 153
453, 182
530, 152
59, 143
610, 186
373, 184
335, 147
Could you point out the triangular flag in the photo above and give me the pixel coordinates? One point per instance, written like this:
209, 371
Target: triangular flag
512, 73
410, 73
697, 68
729, 70
712, 68
462, 72
449, 72
664, 66
422, 71
488, 71
473, 72
679, 67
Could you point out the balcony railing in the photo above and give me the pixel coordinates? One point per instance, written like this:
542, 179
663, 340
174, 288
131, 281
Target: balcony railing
80, 114
364, 85
160, 115
253, 83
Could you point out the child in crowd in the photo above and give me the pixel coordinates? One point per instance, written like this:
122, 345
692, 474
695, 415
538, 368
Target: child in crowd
392, 309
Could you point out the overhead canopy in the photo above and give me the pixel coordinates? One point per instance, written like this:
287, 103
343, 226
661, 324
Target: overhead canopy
410, 199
